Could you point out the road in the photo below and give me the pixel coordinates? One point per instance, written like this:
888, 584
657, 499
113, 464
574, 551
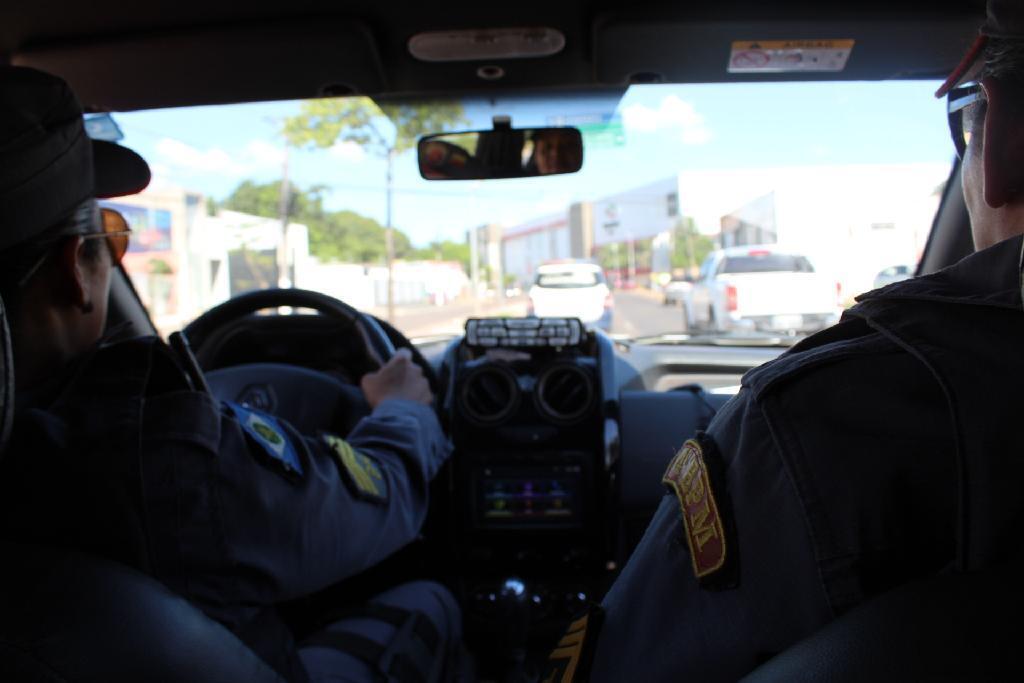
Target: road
637, 313
640, 313
426, 320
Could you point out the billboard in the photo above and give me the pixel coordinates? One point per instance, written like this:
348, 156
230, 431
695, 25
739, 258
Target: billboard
637, 214
151, 228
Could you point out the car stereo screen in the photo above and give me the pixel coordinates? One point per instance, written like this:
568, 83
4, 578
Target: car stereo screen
529, 499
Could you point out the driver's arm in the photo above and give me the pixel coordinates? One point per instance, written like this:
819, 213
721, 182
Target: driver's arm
233, 524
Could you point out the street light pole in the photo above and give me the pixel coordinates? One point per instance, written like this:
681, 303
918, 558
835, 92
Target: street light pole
389, 241
283, 275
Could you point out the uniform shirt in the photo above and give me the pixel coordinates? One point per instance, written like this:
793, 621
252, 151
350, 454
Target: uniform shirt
883, 449
122, 459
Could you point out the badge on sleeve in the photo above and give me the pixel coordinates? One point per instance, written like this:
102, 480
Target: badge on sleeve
266, 432
361, 472
687, 476
571, 660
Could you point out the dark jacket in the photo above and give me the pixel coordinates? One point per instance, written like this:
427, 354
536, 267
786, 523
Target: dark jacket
883, 449
120, 458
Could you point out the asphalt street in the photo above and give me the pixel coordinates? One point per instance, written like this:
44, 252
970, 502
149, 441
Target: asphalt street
637, 313
641, 313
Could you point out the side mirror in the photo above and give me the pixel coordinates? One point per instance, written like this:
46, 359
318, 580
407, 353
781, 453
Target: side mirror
503, 152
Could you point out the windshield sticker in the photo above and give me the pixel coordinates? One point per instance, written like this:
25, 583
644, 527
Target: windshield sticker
781, 56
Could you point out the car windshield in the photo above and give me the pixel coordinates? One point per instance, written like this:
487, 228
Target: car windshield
316, 194
766, 263
569, 279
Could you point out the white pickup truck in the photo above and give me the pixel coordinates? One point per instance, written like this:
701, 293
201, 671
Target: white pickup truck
761, 288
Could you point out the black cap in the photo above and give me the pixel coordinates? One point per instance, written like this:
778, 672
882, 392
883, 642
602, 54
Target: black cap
48, 165
1005, 19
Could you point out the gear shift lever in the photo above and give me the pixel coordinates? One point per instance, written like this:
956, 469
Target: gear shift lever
514, 612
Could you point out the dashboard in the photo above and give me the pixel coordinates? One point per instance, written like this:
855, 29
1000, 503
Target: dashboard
559, 450
561, 435
530, 407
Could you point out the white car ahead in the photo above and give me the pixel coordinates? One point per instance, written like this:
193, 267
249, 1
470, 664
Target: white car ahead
677, 291
762, 288
572, 289
893, 274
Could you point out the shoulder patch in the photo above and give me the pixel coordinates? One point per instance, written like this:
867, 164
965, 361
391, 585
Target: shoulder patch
268, 434
687, 476
361, 472
570, 660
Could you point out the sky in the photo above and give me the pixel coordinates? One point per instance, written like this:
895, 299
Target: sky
668, 129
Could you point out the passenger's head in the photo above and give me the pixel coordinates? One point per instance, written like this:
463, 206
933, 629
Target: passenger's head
986, 98
57, 246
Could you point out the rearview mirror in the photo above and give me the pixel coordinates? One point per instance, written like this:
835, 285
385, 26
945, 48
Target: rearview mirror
504, 152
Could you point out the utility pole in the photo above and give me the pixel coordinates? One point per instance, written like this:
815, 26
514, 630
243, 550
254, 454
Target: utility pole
389, 241
284, 279
474, 261
631, 259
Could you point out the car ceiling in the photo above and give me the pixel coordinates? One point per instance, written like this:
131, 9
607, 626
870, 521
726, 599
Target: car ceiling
121, 55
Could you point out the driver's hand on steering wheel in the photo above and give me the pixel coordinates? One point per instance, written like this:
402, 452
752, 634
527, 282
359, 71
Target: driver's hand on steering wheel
399, 378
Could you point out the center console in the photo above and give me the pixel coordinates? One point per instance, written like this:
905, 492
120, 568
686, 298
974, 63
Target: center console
532, 410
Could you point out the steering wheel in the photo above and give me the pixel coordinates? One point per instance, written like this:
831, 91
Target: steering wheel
308, 399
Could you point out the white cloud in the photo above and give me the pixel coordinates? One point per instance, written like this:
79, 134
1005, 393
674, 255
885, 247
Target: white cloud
672, 114
161, 176
263, 153
256, 155
347, 151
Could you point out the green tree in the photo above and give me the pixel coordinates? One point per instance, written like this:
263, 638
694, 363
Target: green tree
348, 236
445, 251
158, 266
385, 130
380, 129
264, 200
333, 236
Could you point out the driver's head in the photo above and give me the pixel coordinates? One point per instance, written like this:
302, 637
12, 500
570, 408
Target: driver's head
986, 104
56, 246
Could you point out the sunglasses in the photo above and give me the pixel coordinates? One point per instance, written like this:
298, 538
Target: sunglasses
962, 109
113, 228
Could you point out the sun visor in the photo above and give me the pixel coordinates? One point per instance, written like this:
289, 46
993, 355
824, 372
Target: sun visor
281, 61
670, 51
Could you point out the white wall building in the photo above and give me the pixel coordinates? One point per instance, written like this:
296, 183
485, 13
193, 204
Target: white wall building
640, 213
251, 242
528, 244
366, 287
851, 221
567, 234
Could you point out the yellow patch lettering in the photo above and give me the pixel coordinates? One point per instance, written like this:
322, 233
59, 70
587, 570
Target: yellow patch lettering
362, 471
687, 476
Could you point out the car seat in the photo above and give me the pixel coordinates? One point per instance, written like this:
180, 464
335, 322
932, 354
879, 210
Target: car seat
65, 616
950, 627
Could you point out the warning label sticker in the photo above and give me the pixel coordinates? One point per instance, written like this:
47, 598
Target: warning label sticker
779, 56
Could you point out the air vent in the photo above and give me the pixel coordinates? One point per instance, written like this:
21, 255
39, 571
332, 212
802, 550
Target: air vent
565, 393
489, 395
